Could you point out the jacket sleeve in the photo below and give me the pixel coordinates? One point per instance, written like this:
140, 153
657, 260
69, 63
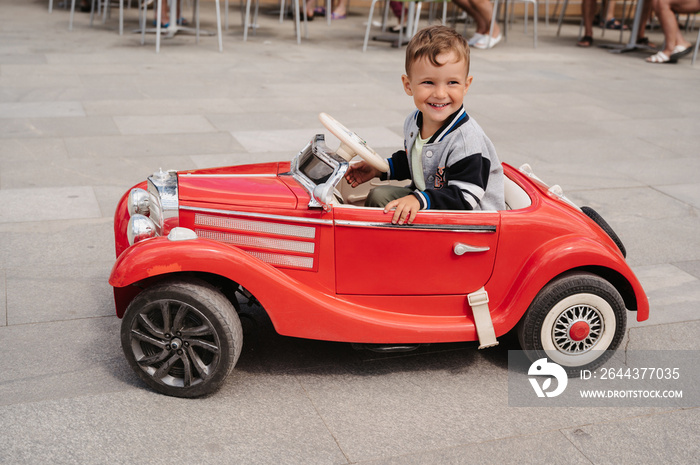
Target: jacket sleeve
398, 167
465, 186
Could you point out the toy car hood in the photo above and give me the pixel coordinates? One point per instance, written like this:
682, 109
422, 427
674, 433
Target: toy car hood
250, 185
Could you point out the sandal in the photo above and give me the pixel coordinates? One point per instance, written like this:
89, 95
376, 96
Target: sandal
644, 42
679, 52
614, 24
659, 57
586, 41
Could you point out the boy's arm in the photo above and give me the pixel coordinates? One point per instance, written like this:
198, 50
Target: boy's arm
398, 167
466, 185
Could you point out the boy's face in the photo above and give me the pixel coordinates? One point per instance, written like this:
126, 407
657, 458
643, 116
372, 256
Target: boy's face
437, 91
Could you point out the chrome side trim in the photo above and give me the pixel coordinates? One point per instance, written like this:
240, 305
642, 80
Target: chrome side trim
198, 175
290, 219
474, 228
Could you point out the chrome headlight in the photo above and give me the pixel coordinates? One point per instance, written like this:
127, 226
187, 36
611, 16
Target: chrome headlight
138, 202
163, 200
140, 228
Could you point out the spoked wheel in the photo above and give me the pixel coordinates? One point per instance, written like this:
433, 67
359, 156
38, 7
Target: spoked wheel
576, 321
182, 338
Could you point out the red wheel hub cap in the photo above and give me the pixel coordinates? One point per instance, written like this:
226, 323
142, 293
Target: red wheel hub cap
579, 331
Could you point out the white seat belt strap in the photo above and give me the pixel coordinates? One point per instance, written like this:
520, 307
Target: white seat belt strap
479, 302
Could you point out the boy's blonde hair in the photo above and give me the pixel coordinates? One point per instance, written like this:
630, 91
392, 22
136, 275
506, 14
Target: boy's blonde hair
433, 41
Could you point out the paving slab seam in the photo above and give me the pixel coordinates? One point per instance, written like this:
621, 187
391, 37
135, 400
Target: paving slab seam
36, 323
323, 420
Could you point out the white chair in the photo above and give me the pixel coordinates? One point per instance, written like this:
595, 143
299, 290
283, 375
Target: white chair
100, 5
414, 10
247, 23
494, 18
173, 28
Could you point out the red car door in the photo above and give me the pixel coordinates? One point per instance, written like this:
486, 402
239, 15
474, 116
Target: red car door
441, 253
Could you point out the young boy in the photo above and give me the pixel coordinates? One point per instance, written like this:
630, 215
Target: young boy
452, 164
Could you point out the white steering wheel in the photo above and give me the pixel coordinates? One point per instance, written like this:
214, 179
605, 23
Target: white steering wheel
351, 144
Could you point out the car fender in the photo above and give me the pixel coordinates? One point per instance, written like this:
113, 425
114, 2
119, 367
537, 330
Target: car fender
294, 308
160, 256
554, 258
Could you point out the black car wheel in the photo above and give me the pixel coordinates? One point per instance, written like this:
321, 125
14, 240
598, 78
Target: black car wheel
577, 321
182, 338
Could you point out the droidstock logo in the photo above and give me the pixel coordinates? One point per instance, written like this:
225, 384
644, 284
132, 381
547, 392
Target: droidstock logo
542, 368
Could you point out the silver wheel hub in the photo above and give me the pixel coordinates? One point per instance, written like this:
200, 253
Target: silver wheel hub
577, 329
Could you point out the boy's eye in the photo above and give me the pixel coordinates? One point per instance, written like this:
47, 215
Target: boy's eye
427, 82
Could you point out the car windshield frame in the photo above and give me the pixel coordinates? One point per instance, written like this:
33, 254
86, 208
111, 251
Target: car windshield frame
316, 165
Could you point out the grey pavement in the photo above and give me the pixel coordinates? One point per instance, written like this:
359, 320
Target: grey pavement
86, 114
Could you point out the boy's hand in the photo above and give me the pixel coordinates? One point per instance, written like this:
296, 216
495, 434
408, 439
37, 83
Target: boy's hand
406, 209
360, 172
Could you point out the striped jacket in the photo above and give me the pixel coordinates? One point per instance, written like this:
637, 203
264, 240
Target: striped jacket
460, 165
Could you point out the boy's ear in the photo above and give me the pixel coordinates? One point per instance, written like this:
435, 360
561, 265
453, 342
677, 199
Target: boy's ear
468, 83
406, 84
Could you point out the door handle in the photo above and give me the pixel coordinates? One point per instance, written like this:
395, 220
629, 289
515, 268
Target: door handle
461, 249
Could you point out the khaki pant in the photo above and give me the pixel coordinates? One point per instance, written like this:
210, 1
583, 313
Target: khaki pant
382, 195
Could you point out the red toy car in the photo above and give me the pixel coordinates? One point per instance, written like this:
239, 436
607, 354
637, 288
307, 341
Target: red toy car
296, 238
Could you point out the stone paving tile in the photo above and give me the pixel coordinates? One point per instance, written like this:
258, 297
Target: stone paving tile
159, 107
47, 204
40, 109
14, 150
263, 421
160, 124
151, 145
515, 450
686, 193
674, 295
61, 127
294, 140
37, 245
58, 293
113, 171
3, 299
639, 440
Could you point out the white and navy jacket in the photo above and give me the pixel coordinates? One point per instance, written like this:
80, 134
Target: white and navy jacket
460, 165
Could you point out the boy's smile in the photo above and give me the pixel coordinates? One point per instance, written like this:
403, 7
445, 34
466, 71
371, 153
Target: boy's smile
437, 91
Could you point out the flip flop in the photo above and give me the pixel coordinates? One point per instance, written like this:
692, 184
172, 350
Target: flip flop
644, 42
319, 10
679, 52
660, 57
586, 41
337, 16
614, 24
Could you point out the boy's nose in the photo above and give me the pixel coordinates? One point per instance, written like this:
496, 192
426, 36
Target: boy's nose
440, 91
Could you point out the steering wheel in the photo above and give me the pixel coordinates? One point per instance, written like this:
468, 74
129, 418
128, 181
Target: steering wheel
351, 144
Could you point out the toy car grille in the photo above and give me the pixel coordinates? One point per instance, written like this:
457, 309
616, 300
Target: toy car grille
284, 260
259, 242
262, 239
306, 232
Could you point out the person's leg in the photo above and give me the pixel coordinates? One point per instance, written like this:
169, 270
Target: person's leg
484, 10
666, 12
646, 15
608, 20
382, 195
341, 9
482, 27
588, 12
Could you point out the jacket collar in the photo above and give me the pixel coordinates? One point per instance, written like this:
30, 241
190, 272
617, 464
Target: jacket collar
454, 121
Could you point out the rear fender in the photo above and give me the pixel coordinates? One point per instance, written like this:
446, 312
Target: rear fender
555, 258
